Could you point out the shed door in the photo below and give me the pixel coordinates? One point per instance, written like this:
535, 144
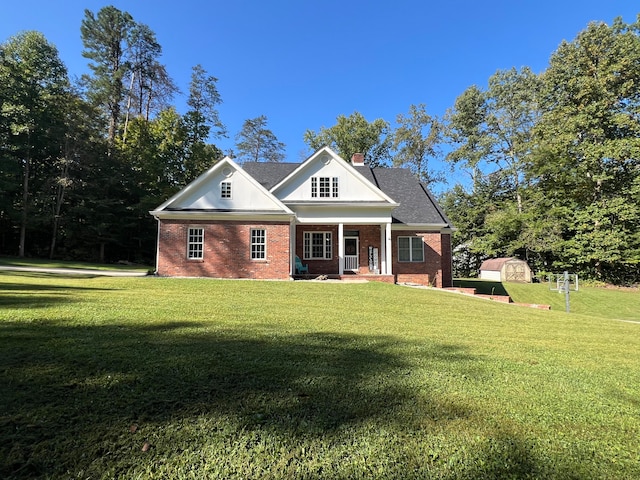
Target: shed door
515, 272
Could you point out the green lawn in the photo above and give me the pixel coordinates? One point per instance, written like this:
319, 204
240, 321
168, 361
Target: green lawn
43, 263
168, 378
617, 303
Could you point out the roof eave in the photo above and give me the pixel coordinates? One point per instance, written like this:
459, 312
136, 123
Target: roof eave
220, 215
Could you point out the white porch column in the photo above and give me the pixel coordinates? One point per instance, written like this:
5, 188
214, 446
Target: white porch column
387, 249
341, 248
383, 249
292, 247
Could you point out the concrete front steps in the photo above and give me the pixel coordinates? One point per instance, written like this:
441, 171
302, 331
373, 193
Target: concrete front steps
496, 298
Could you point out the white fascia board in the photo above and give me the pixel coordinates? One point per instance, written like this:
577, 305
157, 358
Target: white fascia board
347, 165
226, 161
329, 204
427, 227
196, 183
303, 165
231, 216
309, 214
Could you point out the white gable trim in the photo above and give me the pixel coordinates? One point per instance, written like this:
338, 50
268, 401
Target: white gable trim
211, 173
346, 165
238, 216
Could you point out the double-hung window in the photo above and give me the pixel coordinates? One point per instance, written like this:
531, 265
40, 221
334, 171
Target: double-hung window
317, 246
195, 243
258, 244
225, 190
324, 187
410, 249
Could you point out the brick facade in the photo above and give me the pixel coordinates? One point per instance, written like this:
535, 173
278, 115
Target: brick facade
368, 235
227, 250
435, 270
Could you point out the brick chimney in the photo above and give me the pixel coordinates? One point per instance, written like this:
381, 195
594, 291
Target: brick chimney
357, 160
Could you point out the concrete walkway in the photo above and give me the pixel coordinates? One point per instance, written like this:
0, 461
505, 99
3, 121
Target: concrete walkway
75, 271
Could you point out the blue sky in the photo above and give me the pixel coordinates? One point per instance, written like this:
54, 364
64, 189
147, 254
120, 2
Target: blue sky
302, 63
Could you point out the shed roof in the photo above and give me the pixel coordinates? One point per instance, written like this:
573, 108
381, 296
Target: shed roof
497, 263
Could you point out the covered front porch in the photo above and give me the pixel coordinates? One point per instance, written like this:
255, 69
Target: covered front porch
342, 250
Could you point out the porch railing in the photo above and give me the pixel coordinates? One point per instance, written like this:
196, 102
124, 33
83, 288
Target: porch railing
351, 262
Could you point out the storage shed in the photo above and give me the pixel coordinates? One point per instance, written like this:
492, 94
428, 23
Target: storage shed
508, 269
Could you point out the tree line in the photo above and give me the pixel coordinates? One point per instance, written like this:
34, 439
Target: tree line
82, 163
550, 159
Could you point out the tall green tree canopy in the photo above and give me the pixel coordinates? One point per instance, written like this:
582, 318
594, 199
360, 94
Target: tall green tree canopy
255, 142
416, 142
34, 88
107, 38
492, 129
588, 148
199, 120
354, 134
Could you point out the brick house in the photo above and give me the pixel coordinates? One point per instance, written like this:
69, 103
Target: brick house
339, 218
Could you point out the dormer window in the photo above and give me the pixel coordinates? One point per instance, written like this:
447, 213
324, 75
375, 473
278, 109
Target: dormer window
324, 187
225, 190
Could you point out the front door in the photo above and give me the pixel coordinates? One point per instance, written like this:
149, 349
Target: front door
351, 261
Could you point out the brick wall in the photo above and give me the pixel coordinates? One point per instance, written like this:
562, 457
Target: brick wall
227, 250
428, 272
447, 266
321, 267
367, 235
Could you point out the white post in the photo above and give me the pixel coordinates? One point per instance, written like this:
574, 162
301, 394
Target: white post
387, 249
383, 249
341, 248
292, 247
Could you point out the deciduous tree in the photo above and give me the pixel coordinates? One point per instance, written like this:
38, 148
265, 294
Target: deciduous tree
354, 134
588, 148
34, 86
416, 142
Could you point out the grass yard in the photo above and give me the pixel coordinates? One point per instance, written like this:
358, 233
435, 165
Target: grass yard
169, 378
616, 303
42, 263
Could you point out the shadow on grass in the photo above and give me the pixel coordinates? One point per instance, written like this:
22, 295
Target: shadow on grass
483, 287
23, 295
72, 396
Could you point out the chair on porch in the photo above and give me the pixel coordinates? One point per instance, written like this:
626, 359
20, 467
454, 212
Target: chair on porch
300, 268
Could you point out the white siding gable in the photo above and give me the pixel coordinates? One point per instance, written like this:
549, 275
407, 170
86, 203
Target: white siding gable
242, 192
351, 185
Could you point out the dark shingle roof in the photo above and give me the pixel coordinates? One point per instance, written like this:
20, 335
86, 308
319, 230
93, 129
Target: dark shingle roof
269, 174
417, 205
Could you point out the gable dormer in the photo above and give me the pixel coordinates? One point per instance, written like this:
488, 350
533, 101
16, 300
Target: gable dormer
225, 187
327, 178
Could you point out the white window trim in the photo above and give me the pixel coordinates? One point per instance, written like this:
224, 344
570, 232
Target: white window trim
191, 243
411, 240
332, 187
263, 243
224, 191
327, 248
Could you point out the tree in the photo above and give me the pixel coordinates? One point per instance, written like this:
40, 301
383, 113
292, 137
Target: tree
588, 148
34, 86
416, 141
106, 38
199, 120
494, 127
151, 88
354, 134
255, 142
